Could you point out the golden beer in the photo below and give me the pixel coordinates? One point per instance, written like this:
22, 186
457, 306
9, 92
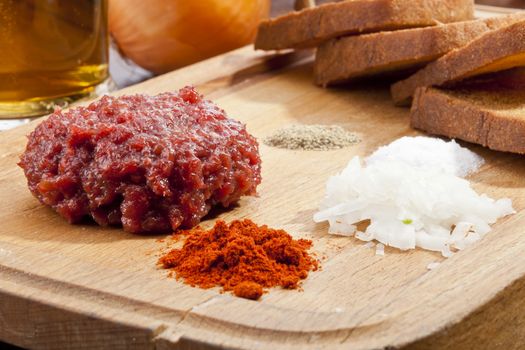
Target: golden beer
51, 52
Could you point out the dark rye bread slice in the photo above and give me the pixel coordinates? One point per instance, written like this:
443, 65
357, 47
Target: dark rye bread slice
492, 116
311, 26
493, 51
344, 59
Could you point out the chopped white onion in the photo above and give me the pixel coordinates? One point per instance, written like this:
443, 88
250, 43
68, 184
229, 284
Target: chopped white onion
429, 153
380, 249
408, 206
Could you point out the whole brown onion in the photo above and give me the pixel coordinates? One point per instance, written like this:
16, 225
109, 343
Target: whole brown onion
162, 35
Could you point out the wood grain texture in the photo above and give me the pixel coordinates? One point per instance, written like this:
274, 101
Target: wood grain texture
73, 287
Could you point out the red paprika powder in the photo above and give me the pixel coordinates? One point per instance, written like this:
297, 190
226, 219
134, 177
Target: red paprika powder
241, 257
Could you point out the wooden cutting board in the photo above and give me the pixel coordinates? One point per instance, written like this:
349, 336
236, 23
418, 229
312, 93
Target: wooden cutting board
64, 286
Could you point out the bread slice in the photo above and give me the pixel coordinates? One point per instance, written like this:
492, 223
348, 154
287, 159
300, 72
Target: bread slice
493, 51
489, 115
311, 26
344, 59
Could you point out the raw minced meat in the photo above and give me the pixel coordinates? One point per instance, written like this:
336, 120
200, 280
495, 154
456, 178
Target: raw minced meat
150, 163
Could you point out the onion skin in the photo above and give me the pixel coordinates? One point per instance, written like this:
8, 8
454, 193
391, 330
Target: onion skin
162, 35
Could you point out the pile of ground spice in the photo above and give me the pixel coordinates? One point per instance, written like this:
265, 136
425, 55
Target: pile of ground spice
241, 257
312, 138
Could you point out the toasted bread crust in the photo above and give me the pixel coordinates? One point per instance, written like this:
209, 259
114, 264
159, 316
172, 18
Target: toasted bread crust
477, 116
347, 58
311, 26
485, 54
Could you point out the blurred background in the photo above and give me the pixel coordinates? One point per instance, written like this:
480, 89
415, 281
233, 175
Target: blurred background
56, 51
125, 72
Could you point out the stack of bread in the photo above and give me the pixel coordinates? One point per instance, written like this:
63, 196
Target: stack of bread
461, 75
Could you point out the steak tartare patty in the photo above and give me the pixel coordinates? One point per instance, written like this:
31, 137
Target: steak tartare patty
150, 163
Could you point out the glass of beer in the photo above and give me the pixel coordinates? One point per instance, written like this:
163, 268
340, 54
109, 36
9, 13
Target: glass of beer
52, 52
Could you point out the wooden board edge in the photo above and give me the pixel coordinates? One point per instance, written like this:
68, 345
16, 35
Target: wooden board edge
494, 325
78, 330
56, 295
222, 71
56, 308
220, 84
64, 328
